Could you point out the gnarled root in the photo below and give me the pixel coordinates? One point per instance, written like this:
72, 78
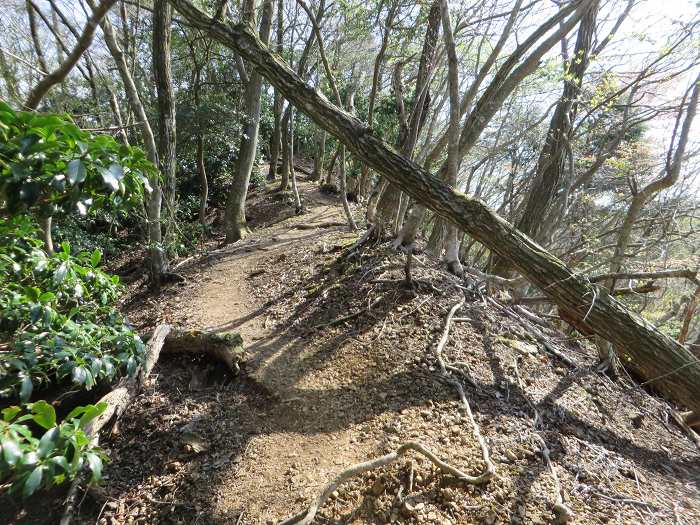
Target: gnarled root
307, 517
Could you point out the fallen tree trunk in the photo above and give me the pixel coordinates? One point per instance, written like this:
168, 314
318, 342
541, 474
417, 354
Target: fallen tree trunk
665, 363
226, 347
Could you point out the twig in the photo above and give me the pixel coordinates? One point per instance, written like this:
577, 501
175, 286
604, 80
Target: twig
561, 511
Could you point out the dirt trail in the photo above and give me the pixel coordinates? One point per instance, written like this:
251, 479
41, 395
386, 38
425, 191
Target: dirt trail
279, 468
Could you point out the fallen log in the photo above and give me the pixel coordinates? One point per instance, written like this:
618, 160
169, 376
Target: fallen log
642, 348
226, 347
117, 400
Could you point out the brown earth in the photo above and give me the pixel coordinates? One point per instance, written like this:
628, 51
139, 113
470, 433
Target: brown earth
320, 392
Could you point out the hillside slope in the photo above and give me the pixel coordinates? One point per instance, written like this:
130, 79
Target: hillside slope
341, 368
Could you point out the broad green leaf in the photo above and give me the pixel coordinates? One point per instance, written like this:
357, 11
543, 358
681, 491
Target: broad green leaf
60, 274
10, 412
47, 442
79, 375
95, 258
76, 171
44, 414
33, 481
26, 388
95, 466
11, 452
91, 412
109, 179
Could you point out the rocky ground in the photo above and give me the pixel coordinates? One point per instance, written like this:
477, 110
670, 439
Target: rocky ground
341, 368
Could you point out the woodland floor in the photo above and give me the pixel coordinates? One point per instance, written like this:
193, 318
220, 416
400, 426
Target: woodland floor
314, 398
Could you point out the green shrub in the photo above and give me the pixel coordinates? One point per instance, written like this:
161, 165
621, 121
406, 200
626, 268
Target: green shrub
29, 463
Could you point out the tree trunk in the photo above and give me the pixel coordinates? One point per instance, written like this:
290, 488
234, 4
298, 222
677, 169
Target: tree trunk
33, 30
284, 180
162, 73
157, 259
452, 255
235, 223
278, 102
552, 159
320, 154
645, 351
203, 183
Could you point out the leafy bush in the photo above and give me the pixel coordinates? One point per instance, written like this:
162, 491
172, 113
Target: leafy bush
57, 312
49, 165
28, 463
58, 319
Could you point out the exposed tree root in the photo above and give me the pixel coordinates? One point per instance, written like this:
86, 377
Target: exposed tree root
562, 513
490, 468
307, 517
328, 224
226, 347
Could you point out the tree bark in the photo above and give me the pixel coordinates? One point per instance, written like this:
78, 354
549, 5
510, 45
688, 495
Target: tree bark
277, 104
157, 259
552, 159
643, 349
235, 222
162, 73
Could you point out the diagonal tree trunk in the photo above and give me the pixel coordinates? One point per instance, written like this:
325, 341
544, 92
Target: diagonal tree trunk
651, 354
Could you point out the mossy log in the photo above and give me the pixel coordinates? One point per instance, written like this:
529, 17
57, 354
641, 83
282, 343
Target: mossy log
226, 347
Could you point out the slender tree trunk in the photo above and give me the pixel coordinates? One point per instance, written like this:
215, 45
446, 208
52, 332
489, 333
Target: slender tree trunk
162, 72
45, 223
552, 159
452, 255
275, 140
36, 39
318, 157
203, 183
299, 206
284, 181
235, 222
158, 261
